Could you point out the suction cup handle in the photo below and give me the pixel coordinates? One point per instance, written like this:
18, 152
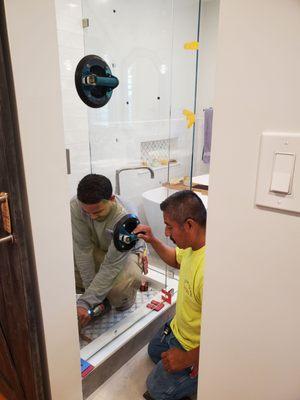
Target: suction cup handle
107, 81
94, 81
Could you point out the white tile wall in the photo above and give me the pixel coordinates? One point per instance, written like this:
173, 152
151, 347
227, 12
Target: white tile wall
71, 50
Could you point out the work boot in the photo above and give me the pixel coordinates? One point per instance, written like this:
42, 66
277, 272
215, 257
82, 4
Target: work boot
107, 306
147, 396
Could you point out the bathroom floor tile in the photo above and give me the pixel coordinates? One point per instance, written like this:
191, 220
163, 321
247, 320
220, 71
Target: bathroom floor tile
129, 382
100, 325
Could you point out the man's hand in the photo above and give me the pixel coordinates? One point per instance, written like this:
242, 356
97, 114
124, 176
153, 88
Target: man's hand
144, 232
166, 253
175, 360
83, 316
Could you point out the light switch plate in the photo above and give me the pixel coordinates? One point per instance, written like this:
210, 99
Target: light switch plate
273, 143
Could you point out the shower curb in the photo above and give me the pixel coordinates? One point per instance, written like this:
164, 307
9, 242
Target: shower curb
105, 370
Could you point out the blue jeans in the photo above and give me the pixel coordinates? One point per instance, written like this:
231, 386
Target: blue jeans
163, 385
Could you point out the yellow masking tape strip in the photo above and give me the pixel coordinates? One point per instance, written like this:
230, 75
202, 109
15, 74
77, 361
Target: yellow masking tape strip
190, 117
191, 46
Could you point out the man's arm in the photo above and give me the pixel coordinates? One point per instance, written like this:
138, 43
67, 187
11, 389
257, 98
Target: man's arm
82, 246
166, 253
103, 281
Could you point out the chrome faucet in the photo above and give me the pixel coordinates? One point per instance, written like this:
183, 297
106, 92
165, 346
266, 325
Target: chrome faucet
118, 171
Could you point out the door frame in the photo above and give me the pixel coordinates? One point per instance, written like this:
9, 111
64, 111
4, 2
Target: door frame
21, 310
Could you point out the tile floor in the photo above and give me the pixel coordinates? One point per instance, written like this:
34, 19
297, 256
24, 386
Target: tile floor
101, 325
129, 382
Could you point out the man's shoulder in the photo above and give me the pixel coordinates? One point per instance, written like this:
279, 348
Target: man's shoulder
74, 207
115, 216
195, 259
183, 253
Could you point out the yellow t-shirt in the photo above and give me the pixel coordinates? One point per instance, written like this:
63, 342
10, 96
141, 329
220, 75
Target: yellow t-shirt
187, 321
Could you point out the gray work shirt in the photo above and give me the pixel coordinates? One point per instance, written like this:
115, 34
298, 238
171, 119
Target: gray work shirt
89, 234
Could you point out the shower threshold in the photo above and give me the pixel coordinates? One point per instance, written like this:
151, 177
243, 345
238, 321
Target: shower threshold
121, 336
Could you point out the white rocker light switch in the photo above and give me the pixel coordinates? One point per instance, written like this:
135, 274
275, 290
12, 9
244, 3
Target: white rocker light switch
283, 173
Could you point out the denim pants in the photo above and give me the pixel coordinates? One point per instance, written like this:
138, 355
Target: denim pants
163, 385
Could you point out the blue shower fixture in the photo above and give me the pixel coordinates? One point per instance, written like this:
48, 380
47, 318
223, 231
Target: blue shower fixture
94, 81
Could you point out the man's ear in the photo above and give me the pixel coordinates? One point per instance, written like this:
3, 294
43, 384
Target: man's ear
112, 197
189, 223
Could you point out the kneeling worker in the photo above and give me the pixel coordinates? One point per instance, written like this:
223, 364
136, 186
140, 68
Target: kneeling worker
175, 348
103, 274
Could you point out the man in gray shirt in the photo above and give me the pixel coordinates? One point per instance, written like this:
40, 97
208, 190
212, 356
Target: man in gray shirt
101, 271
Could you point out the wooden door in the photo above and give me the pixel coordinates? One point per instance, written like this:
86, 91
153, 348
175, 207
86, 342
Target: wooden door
23, 371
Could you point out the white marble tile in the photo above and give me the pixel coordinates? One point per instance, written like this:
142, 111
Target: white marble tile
69, 15
67, 85
67, 6
69, 39
73, 105
73, 181
75, 122
68, 60
76, 136
79, 158
129, 382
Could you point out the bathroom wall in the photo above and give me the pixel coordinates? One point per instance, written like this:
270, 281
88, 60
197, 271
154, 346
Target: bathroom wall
34, 54
251, 322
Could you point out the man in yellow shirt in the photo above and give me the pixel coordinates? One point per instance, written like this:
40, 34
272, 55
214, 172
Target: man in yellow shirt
175, 349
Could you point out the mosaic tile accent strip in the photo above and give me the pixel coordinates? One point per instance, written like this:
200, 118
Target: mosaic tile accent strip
100, 325
155, 151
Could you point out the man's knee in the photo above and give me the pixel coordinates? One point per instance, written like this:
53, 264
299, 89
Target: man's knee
163, 385
122, 300
159, 384
123, 293
132, 269
131, 273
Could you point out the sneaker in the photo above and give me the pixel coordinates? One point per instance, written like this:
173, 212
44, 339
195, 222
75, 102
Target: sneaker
147, 396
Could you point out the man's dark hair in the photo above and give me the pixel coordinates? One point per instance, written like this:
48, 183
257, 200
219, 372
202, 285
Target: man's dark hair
183, 205
94, 188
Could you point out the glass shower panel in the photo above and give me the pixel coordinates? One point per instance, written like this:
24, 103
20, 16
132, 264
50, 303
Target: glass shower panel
184, 91
134, 38
133, 130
